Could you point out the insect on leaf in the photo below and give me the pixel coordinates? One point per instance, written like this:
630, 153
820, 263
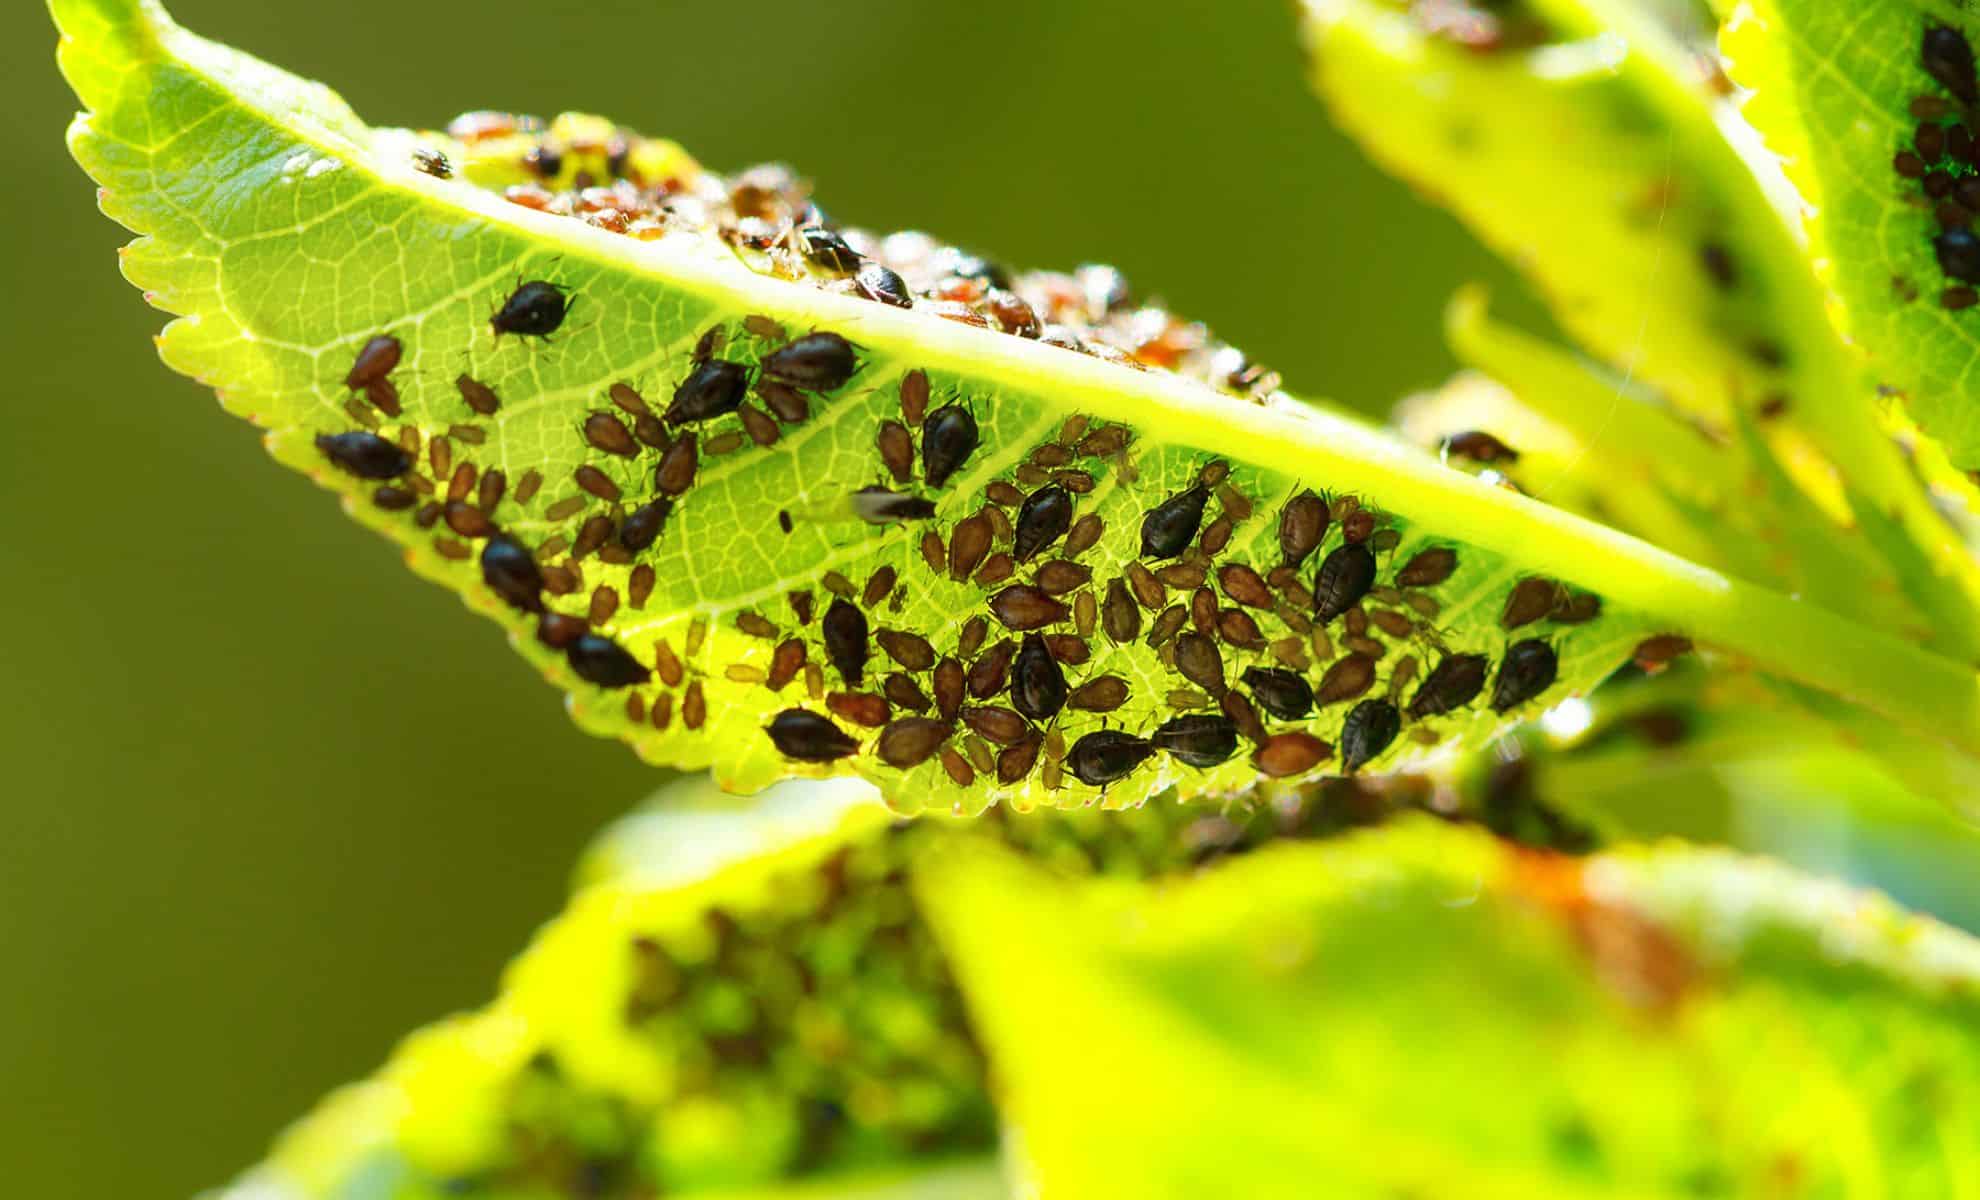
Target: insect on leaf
784, 499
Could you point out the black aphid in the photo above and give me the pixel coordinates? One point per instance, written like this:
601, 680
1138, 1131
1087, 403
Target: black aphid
1948, 58
511, 572
1452, 684
1958, 251
948, 438
1344, 578
876, 282
536, 309
1371, 726
715, 386
602, 661
1171, 526
1198, 739
878, 506
826, 248
1044, 518
846, 640
816, 362
644, 524
1528, 670
1101, 758
1038, 686
808, 737
364, 454
1285, 694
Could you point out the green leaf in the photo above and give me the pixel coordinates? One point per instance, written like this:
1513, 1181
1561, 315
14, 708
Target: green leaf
289, 235
1423, 1011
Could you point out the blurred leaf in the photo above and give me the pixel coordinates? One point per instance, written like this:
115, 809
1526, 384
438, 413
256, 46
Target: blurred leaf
1657, 1023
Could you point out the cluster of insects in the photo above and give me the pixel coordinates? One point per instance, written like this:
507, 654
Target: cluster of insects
1943, 161
613, 179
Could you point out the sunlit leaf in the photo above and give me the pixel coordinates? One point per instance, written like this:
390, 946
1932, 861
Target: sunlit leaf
1423, 1011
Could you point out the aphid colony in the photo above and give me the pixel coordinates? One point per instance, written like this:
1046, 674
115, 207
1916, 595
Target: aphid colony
585, 168
1943, 161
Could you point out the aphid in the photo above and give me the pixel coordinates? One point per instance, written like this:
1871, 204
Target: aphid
876, 282
1293, 753
785, 401
708, 343
758, 425
1653, 654
596, 482
669, 664
595, 532
1450, 685
714, 387
1357, 526
911, 741
663, 711
383, 395
1038, 686
508, 569
987, 674
1575, 609
827, 249
428, 161
805, 736
1948, 58
604, 604
948, 438
1107, 756
1012, 314
428, 515
910, 650
558, 630
1242, 715
1528, 669
375, 360
602, 661
489, 492
999, 725
1045, 517
1371, 725
1105, 441
1345, 576
948, 684
1171, 526
528, 485
861, 708
756, 625
1480, 447
606, 432
1200, 662
675, 474
1217, 535
901, 689
1391, 622
364, 454
1346, 679
1168, 623
1120, 616
1001, 493
957, 767
1051, 454
393, 499
535, 309
559, 581
1237, 506
628, 401
914, 403
467, 520
1060, 576
896, 448
1958, 251
694, 706
846, 643
933, 552
816, 362
1530, 599
1182, 576
1068, 649
1016, 761
461, 485
1237, 628
1244, 585
1104, 694
1717, 260
878, 506
1084, 534
1197, 739
448, 548
878, 585
1285, 694
1908, 164
785, 662
643, 525
1428, 568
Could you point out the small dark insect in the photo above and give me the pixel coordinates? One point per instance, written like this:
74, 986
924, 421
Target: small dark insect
1120, 616
509, 570
1575, 609
896, 448
1242, 715
846, 640
805, 736
1371, 726
861, 708
715, 386
1908, 165
1530, 599
1167, 623
1653, 654
1948, 58
914, 396
628, 400
1200, 662
816, 362
759, 425
644, 524
1452, 684
1357, 526
604, 604
595, 532
364, 454
876, 282
1038, 686
999, 725
1428, 568
467, 520
428, 161
1346, 679
1958, 251
968, 544
878, 585
595, 481
1015, 762
784, 400
1046, 515
1244, 585
1718, 262
988, 673
639, 585
1528, 670
602, 661
558, 631
608, 433
1479, 447
393, 499
1285, 694
1292, 753
1024, 607
675, 474
544, 160
1013, 314
536, 309
1085, 533
1171, 526
374, 362
1104, 694
1198, 739
910, 650
948, 683
911, 741
826, 248
478, 396
1107, 756
1345, 576
492, 487
878, 506
899, 689
948, 438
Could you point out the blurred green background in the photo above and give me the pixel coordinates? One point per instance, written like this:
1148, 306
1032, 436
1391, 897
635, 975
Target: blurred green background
272, 802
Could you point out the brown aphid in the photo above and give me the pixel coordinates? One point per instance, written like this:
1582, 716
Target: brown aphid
1060, 576
440, 457
428, 515
1365, 645
974, 631
837, 584
1182, 576
1045, 517
354, 409
1529, 600
596, 482
1085, 532
408, 441
755, 625
1016, 761
1451, 684
488, 493
478, 396
642, 526
999, 725
375, 360
724, 443
767, 328
467, 520
1051, 454
968, 543
661, 714
910, 650
1241, 714
785, 663
1086, 614
1294, 753
1302, 526
471, 435
627, 400
1244, 585
1385, 540
393, 499
1103, 694
614, 554
896, 448
861, 708
1147, 589
1203, 610
801, 606
1200, 662
911, 741
758, 425
1357, 526
957, 767
1391, 622
1024, 607
527, 487
559, 630
1237, 628
914, 396
1104, 441
901, 690
675, 474
1576, 609
1653, 654
1000, 492
988, 673
786, 402
1120, 616
451, 549
1428, 568
1168, 623
604, 604
605, 431
878, 585
1236, 504
595, 532
560, 581
947, 685
1346, 679
814, 681
1070, 650
933, 552
668, 664
694, 706
1216, 536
